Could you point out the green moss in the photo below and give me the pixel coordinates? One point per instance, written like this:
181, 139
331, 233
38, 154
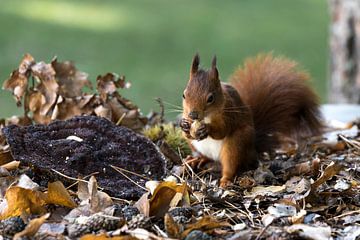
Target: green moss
172, 136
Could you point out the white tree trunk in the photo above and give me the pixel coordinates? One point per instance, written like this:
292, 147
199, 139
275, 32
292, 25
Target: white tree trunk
345, 51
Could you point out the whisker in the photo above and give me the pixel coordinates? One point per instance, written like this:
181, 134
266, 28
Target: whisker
173, 105
172, 111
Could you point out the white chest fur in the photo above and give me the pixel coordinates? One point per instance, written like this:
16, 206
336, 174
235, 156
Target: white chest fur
209, 147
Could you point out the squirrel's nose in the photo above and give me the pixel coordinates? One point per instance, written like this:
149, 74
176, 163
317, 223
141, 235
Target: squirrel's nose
193, 115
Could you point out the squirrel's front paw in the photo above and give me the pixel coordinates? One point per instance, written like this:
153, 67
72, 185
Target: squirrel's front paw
202, 132
185, 125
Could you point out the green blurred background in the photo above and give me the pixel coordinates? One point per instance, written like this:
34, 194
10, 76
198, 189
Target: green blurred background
152, 42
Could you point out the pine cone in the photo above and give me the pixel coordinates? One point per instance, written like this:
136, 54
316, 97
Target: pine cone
181, 214
140, 221
11, 226
95, 223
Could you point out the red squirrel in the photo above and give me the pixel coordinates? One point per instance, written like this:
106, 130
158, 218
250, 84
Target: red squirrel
266, 98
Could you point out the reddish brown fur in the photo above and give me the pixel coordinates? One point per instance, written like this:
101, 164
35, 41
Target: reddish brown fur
279, 98
274, 98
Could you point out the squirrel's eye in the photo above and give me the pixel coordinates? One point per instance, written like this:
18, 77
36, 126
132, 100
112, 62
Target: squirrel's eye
183, 96
210, 99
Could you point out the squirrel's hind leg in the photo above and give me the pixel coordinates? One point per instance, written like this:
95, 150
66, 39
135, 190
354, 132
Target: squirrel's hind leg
237, 155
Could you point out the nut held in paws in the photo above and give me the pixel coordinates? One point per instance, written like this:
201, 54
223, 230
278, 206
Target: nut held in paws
194, 127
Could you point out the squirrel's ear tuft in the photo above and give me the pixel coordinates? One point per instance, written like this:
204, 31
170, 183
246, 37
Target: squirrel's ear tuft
195, 64
214, 71
213, 62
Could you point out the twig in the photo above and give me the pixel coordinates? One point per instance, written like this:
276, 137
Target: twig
192, 171
68, 177
120, 199
351, 143
128, 178
241, 211
120, 119
133, 173
346, 214
162, 109
263, 231
91, 174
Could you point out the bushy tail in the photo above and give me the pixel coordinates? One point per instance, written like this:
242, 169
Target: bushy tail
280, 99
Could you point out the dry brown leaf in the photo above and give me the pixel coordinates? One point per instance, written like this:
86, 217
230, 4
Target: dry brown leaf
48, 85
90, 196
205, 224
17, 83
66, 108
71, 81
310, 232
298, 187
103, 111
298, 169
265, 191
5, 183
108, 84
171, 227
98, 200
299, 217
21, 121
11, 165
21, 200
143, 204
35, 100
5, 157
57, 194
26, 182
18, 80
163, 196
331, 170
58, 94
32, 228
26, 63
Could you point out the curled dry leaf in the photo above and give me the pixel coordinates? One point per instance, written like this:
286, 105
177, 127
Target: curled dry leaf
166, 195
331, 170
18, 81
265, 191
205, 224
298, 188
11, 165
66, 108
23, 201
5, 157
71, 80
48, 87
57, 194
57, 94
108, 84
98, 200
310, 232
5, 183
29, 201
32, 228
304, 168
89, 195
282, 210
26, 182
